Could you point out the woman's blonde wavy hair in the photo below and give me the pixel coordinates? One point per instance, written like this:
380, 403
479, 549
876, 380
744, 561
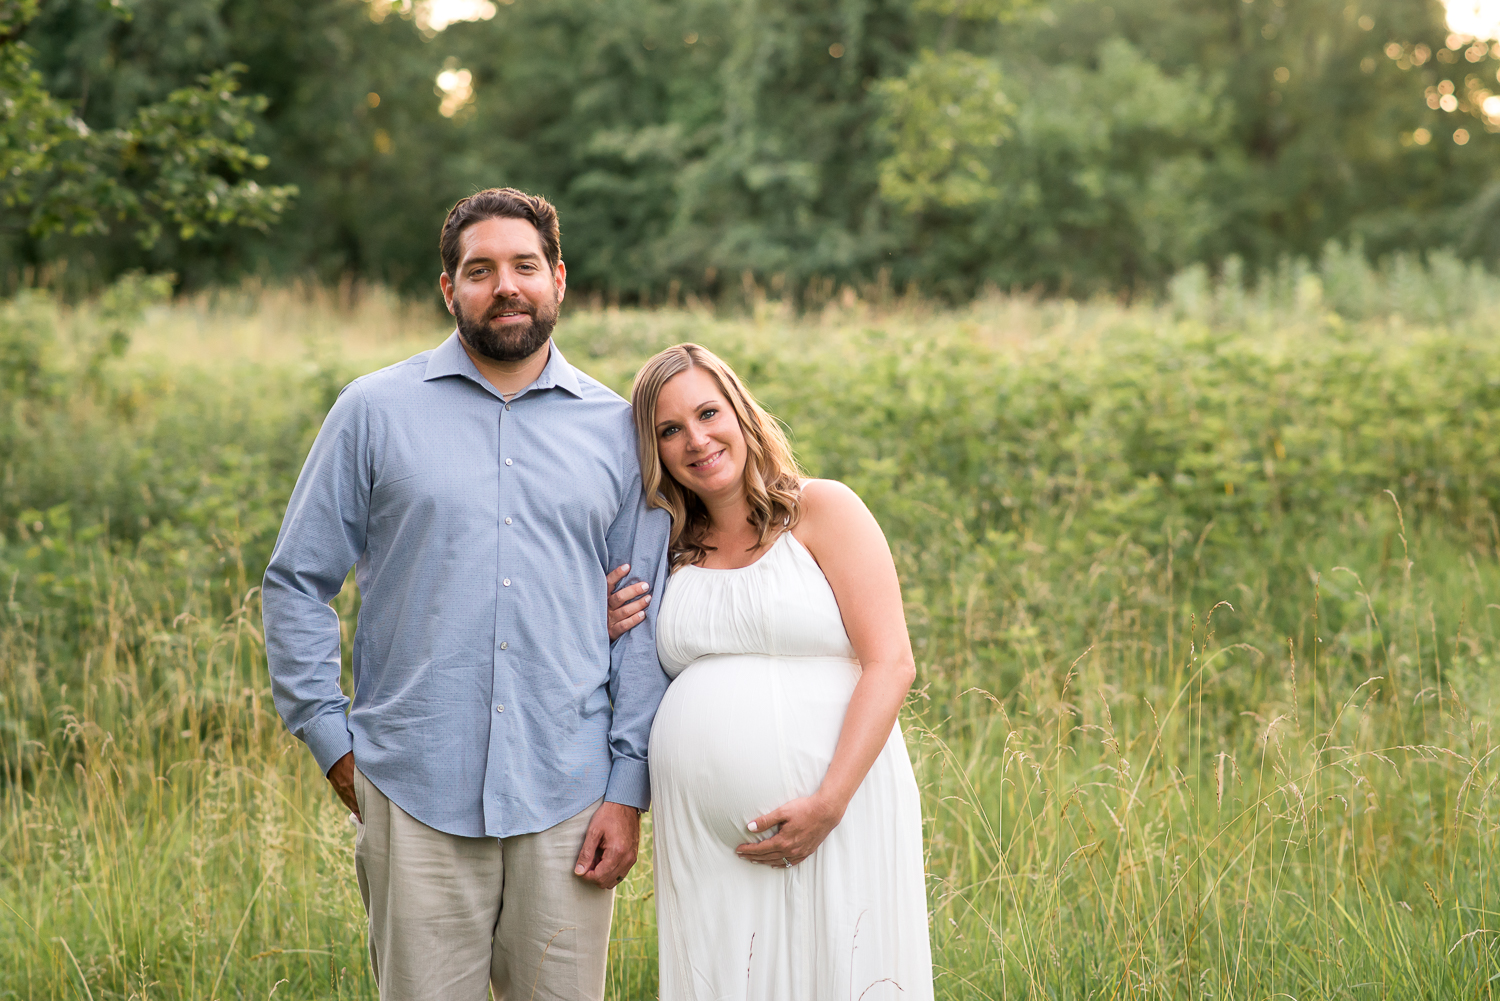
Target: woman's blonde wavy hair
773, 481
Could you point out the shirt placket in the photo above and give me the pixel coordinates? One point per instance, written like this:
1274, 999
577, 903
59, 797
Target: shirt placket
501, 687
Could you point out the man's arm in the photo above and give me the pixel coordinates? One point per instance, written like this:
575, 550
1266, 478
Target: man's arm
636, 681
321, 537
636, 684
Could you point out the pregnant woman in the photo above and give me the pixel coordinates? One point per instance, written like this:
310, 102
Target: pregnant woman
788, 833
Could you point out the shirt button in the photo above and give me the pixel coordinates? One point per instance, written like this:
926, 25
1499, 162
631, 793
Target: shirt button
507, 406
507, 462
506, 582
504, 645
507, 521
499, 709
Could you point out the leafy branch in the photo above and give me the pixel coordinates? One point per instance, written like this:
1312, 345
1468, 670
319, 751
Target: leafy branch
179, 163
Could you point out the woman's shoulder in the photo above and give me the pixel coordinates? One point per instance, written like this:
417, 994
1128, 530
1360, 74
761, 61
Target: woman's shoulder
820, 497
838, 530
829, 507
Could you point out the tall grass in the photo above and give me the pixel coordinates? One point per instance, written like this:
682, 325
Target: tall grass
1204, 596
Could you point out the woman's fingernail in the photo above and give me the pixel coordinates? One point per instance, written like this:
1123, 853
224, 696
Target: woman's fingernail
626, 568
752, 826
645, 586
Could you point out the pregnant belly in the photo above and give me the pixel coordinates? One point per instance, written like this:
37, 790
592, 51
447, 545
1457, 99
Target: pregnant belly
738, 735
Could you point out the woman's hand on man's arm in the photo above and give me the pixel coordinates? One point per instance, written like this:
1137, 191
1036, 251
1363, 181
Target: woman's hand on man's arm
627, 606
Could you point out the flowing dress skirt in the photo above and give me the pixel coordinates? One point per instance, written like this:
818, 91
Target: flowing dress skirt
738, 735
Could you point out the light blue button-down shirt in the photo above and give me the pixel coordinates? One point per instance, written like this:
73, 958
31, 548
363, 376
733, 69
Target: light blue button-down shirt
487, 697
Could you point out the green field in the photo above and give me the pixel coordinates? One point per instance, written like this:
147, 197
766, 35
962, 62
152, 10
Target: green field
1204, 594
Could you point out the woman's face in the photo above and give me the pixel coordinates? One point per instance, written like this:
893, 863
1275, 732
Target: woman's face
699, 437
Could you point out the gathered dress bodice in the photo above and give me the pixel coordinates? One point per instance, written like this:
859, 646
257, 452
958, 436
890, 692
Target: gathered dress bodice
779, 606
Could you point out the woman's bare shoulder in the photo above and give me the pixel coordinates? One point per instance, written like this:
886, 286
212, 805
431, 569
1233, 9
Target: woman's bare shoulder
823, 499
840, 533
832, 515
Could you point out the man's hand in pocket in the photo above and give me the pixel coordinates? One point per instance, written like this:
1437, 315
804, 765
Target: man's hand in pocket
341, 775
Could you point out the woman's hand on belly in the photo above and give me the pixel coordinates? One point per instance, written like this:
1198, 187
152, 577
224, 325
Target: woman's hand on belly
801, 827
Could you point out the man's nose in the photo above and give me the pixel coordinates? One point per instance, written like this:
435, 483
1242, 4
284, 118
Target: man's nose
505, 284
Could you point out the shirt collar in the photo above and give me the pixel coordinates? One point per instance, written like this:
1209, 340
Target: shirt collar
558, 373
450, 358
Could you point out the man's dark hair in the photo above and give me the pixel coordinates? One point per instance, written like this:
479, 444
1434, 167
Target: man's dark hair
500, 203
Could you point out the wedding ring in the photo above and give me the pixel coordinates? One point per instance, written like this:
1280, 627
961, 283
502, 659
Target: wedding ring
785, 862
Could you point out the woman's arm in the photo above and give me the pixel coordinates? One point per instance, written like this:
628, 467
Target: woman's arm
848, 544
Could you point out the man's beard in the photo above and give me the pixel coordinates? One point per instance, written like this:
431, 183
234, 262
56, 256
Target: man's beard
507, 342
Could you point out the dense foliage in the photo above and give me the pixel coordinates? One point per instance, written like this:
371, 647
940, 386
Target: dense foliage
1073, 145
1204, 598
171, 163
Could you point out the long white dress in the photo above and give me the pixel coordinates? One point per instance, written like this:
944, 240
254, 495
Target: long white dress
763, 671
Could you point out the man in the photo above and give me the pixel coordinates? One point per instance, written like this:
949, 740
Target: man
494, 753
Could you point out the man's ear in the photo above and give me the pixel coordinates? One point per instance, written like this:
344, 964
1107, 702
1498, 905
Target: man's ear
560, 279
446, 284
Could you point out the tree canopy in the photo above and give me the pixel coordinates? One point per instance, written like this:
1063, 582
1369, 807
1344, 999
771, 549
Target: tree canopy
173, 162
1068, 145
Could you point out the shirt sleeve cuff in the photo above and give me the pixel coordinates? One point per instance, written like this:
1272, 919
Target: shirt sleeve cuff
329, 740
629, 783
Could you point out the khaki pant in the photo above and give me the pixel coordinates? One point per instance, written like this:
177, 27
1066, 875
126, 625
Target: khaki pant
450, 915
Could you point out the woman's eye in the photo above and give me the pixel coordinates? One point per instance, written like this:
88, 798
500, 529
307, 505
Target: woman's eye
708, 414
668, 431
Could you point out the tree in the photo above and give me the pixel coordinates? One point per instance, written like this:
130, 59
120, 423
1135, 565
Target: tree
1148, 135
687, 142
1075, 145
176, 164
